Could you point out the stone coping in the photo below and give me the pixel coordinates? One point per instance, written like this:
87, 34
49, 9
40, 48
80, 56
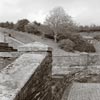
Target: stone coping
35, 46
9, 54
14, 76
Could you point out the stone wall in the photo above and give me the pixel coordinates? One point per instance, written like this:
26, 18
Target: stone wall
29, 76
62, 64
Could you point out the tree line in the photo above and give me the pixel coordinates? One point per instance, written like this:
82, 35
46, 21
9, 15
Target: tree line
57, 26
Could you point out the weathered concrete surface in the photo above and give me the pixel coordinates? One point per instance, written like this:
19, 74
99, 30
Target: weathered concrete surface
28, 77
14, 77
35, 46
84, 91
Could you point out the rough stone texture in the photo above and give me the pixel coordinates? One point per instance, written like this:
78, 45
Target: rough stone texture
27, 78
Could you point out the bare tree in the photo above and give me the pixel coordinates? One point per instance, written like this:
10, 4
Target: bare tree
59, 21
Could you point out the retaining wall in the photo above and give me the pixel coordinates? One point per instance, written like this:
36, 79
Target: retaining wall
62, 64
29, 76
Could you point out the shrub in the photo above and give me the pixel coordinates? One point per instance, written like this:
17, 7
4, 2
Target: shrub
67, 45
31, 28
85, 47
63, 35
76, 43
81, 45
20, 25
50, 36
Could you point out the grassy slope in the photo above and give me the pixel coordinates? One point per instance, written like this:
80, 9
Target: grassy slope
27, 38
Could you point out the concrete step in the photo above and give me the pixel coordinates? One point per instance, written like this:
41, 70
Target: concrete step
4, 47
3, 44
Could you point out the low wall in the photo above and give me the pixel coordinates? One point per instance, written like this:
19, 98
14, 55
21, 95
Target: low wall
28, 77
70, 59
62, 64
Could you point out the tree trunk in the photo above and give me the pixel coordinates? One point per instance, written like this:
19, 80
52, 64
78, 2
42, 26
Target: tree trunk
55, 38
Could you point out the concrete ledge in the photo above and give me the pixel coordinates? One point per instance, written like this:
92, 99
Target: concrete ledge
14, 77
9, 54
35, 46
27, 77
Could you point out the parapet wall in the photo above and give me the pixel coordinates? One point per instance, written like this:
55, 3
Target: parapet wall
64, 63
28, 77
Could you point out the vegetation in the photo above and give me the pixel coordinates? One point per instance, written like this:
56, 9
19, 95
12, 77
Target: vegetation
59, 22
76, 43
91, 28
20, 25
9, 25
60, 27
32, 28
67, 45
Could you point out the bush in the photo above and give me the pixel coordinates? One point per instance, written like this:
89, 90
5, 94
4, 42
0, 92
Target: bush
20, 25
67, 45
50, 36
63, 35
85, 47
82, 45
76, 43
30, 28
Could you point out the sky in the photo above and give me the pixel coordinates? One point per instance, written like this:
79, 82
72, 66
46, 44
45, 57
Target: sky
83, 12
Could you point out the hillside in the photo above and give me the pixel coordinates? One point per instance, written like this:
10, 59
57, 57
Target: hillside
27, 38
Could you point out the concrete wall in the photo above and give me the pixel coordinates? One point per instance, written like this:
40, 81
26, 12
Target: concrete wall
62, 64
29, 76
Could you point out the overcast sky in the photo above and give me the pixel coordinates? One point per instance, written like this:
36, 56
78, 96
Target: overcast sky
82, 11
